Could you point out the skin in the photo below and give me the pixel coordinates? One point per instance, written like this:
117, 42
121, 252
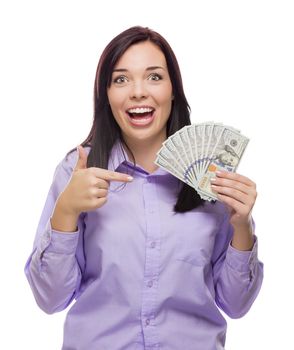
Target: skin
136, 83
87, 190
239, 194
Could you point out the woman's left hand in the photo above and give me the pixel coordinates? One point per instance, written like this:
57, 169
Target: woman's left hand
238, 193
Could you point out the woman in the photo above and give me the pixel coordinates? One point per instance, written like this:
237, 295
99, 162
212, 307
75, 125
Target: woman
148, 262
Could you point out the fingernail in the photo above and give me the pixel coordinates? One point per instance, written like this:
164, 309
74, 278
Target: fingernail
213, 179
218, 172
130, 178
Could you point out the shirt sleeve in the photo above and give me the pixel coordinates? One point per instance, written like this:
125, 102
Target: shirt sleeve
238, 275
52, 269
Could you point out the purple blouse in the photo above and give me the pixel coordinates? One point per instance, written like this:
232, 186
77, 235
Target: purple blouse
141, 276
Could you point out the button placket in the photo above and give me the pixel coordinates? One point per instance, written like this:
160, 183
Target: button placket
152, 244
150, 284
151, 268
45, 240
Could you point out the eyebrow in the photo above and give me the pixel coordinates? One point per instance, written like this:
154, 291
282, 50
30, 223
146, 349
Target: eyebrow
147, 69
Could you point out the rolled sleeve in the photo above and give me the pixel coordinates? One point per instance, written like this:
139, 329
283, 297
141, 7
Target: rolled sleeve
238, 274
59, 242
242, 261
52, 269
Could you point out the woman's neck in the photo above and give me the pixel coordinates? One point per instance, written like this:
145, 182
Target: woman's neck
145, 154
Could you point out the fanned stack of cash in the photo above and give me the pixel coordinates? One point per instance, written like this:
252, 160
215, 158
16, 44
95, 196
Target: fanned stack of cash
194, 153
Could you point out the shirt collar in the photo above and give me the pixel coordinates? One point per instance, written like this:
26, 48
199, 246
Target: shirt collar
119, 156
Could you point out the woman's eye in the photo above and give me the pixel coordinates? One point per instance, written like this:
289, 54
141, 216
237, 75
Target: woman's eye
121, 79
155, 76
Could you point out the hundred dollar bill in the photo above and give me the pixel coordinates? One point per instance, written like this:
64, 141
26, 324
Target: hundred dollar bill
167, 166
175, 144
171, 155
182, 149
208, 132
190, 161
197, 135
215, 134
200, 135
166, 160
226, 155
194, 150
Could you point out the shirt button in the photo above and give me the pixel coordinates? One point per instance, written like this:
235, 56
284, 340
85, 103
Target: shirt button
147, 322
152, 244
150, 284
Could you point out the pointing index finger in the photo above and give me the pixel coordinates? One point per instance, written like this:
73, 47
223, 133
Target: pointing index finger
112, 175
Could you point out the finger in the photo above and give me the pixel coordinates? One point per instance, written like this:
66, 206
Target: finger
109, 175
234, 176
233, 184
100, 193
98, 202
100, 183
233, 204
232, 192
82, 158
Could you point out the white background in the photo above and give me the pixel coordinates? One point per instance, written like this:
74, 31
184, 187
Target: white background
237, 64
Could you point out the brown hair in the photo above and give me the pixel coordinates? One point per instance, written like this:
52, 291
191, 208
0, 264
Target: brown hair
105, 131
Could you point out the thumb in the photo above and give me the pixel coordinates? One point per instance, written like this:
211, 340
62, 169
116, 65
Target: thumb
82, 158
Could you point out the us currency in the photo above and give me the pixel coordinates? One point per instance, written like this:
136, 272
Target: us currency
193, 145
208, 131
183, 134
194, 153
226, 156
215, 135
200, 134
173, 157
176, 144
166, 165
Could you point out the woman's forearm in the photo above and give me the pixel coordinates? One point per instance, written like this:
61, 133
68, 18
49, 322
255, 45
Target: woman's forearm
62, 220
243, 238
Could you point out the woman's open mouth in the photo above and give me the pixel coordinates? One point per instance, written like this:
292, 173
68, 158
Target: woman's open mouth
141, 116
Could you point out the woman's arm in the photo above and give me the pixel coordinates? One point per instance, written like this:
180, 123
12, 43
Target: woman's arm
238, 273
52, 269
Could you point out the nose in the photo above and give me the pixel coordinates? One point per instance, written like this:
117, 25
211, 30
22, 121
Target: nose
138, 91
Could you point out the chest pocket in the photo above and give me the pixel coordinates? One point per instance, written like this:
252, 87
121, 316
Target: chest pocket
195, 237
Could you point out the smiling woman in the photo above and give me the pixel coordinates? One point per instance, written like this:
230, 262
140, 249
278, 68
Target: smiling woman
150, 266
140, 96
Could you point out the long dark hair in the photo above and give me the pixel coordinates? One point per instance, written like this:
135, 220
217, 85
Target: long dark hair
105, 131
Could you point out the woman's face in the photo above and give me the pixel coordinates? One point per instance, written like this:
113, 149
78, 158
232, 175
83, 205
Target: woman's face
140, 94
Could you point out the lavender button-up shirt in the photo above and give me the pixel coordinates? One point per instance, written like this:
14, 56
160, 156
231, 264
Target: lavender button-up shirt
142, 276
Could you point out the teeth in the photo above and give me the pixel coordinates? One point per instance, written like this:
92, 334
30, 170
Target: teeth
140, 110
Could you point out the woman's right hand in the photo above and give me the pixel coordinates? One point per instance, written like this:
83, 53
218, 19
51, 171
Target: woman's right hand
88, 187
